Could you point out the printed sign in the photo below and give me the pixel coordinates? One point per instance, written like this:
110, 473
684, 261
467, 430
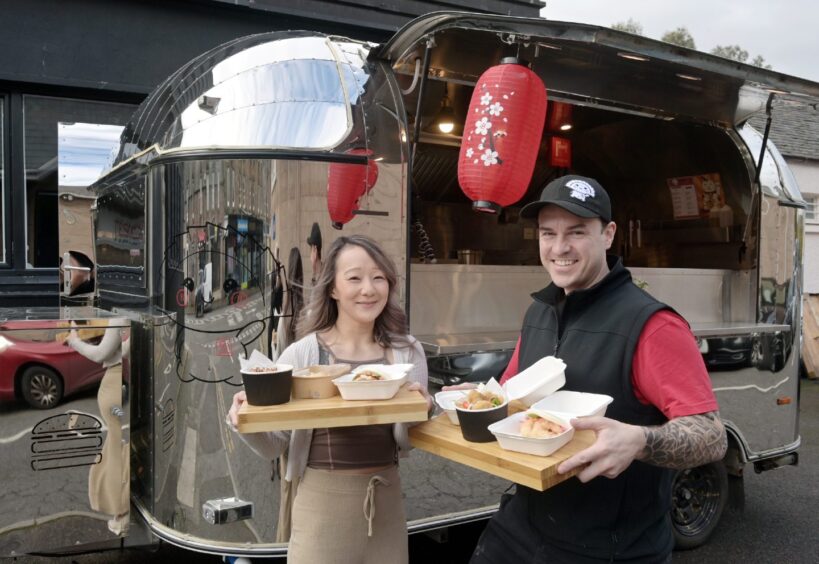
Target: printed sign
696, 196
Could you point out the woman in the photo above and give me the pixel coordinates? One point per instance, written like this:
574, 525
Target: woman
348, 507
108, 481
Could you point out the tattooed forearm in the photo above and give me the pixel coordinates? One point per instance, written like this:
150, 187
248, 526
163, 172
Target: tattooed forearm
686, 442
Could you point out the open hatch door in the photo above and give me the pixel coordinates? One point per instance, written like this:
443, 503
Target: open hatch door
594, 66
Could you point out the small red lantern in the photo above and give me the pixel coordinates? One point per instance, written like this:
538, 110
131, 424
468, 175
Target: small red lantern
346, 184
560, 152
502, 135
560, 116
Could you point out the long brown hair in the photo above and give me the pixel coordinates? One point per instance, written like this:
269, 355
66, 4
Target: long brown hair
321, 310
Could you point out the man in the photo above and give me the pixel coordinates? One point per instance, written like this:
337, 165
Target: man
616, 340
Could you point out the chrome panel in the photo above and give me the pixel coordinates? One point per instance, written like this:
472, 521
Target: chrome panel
59, 462
293, 90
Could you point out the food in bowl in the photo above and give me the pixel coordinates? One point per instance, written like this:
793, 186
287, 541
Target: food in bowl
261, 369
368, 376
536, 427
477, 399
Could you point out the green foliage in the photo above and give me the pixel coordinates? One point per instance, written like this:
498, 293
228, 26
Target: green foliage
733, 52
737, 53
630, 26
680, 36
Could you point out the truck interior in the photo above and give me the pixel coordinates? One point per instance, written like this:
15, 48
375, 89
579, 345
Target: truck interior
640, 129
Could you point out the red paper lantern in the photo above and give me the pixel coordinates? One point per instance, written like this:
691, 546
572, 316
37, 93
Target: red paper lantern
502, 135
346, 184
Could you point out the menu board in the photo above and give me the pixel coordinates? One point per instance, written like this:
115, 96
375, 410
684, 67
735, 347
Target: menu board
696, 196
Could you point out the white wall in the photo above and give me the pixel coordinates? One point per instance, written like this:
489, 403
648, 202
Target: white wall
807, 176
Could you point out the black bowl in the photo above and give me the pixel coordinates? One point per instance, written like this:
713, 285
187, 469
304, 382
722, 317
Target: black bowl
269, 388
474, 423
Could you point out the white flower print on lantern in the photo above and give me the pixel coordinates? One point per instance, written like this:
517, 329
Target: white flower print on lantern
486, 99
495, 109
483, 126
469, 153
489, 157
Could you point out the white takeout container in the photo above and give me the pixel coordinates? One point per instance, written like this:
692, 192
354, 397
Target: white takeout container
544, 377
446, 401
507, 432
394, 377
574, 404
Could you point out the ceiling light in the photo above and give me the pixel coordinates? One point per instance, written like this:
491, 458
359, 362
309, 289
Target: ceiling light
565, 127
689, 76
445, 120
632, 57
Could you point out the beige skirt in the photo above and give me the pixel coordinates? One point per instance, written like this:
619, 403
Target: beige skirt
349, 519
108, 488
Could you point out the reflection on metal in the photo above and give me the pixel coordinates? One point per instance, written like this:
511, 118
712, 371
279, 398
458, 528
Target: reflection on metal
57, 464
65, 441
283, 90
168, 414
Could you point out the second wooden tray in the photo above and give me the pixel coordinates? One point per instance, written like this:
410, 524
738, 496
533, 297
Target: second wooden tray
440, 437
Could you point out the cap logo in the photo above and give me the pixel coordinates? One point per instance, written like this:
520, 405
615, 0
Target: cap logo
580, 189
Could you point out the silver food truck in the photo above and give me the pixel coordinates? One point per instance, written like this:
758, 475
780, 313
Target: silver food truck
200, 246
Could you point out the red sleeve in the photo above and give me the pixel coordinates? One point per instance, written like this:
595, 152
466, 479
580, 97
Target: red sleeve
512, 367
668, 371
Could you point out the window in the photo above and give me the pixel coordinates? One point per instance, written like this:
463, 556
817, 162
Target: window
41, 116
812, 211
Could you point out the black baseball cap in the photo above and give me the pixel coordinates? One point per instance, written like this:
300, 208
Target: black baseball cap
580, 195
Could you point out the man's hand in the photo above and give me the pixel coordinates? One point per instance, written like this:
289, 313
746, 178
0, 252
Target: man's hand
617, 445
683, 442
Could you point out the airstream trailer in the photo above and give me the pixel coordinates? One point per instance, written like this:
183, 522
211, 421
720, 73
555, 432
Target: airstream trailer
201, 231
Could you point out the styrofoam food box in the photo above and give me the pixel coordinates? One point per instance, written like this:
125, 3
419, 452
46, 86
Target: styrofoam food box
507, 433
574, 404
394, 376
538, 381
446, 401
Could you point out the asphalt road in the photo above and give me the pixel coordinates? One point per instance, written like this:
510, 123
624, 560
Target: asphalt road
779, 523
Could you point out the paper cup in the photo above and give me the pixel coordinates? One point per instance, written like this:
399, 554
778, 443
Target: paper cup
268, 388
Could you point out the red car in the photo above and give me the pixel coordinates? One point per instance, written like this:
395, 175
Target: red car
42, 372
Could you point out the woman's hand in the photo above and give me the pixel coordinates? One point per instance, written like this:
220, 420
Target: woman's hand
416, 386
239, 399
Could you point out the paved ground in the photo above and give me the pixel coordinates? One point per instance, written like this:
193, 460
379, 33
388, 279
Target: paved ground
779, 523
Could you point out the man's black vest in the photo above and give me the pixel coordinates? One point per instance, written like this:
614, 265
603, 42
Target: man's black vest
625, 518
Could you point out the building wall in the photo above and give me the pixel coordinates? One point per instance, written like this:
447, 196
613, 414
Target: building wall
807, 176
84, 54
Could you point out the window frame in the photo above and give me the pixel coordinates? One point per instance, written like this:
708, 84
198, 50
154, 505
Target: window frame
5, 192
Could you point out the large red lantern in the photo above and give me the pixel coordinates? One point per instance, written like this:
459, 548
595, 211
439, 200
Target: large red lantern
346, 184
502, 135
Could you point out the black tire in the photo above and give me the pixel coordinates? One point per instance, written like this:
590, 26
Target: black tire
698, 498
41, 387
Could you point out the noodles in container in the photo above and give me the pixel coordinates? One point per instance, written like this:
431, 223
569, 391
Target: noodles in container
479, 408
266, 383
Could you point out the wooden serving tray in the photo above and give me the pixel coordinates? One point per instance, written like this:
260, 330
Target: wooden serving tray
404, 407
440, 437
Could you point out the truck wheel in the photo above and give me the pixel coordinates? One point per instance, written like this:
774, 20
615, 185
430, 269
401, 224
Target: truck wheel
698, 497
42, 388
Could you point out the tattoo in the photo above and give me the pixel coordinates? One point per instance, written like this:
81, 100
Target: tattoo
686, 442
